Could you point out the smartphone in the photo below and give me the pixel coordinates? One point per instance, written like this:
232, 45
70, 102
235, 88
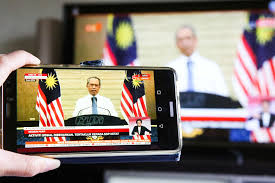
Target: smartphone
68, 111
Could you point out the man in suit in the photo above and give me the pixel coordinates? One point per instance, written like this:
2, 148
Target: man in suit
93, 103
266, 118
139, 129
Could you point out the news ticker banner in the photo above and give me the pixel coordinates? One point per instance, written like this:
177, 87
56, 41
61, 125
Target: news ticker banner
78, 131
88, 143
75, 131
214, 118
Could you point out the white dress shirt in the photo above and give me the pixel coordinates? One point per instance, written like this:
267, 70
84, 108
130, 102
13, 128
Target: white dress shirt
104, 106
207, 76
266, 118
139, 129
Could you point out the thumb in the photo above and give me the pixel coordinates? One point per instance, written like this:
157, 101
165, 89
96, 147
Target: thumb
12, 61
19, 58
13, 164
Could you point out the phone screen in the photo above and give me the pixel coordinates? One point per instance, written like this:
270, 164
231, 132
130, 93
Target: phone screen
82, 109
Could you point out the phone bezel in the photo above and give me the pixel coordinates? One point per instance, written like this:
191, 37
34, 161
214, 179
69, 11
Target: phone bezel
9, 143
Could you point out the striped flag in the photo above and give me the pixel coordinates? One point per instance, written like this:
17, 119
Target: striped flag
142, 137
48, 103
254, 73
263, 135
133, 101
120, 46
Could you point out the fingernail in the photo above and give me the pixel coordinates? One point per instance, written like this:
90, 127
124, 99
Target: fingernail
50, 164
36, 61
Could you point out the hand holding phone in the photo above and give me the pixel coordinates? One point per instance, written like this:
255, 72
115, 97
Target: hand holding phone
13, 164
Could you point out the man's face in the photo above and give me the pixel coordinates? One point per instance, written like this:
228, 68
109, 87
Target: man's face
265, 106
93, 86
139, 123
186, 41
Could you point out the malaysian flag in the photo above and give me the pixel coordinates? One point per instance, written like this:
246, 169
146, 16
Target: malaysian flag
263, 135
48, 103
142, 137
254, 74
133, 101
120, 46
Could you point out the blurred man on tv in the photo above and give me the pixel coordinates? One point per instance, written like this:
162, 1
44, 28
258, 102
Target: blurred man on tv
265, 118
94, 103
139, 129
196, 73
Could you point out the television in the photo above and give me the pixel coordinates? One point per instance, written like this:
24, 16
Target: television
231, 103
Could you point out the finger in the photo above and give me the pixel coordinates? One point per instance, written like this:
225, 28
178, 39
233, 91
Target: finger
12, 61
20, 58
13, 164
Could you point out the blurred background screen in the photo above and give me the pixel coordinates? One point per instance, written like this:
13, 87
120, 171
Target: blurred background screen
223, 58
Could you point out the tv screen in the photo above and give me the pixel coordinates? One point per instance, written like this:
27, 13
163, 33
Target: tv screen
222, 53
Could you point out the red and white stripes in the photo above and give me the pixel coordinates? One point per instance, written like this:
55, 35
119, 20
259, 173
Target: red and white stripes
263, 135
108, 56
249, 81
142, 137
50, 115
130, 109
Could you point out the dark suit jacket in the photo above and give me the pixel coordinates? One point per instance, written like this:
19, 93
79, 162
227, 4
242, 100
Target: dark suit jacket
142, 130
271, 121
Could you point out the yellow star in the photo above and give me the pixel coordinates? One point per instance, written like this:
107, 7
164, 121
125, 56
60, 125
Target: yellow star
136, 81
264, 34
51, 81
124, 35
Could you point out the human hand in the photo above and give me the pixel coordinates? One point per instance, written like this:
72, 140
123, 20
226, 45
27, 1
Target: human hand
13, 164
12, 61
256, 116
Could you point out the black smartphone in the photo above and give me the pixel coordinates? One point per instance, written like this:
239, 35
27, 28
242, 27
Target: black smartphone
73, 111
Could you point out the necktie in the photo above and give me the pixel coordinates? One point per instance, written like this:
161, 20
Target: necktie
190, 84
94, 105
